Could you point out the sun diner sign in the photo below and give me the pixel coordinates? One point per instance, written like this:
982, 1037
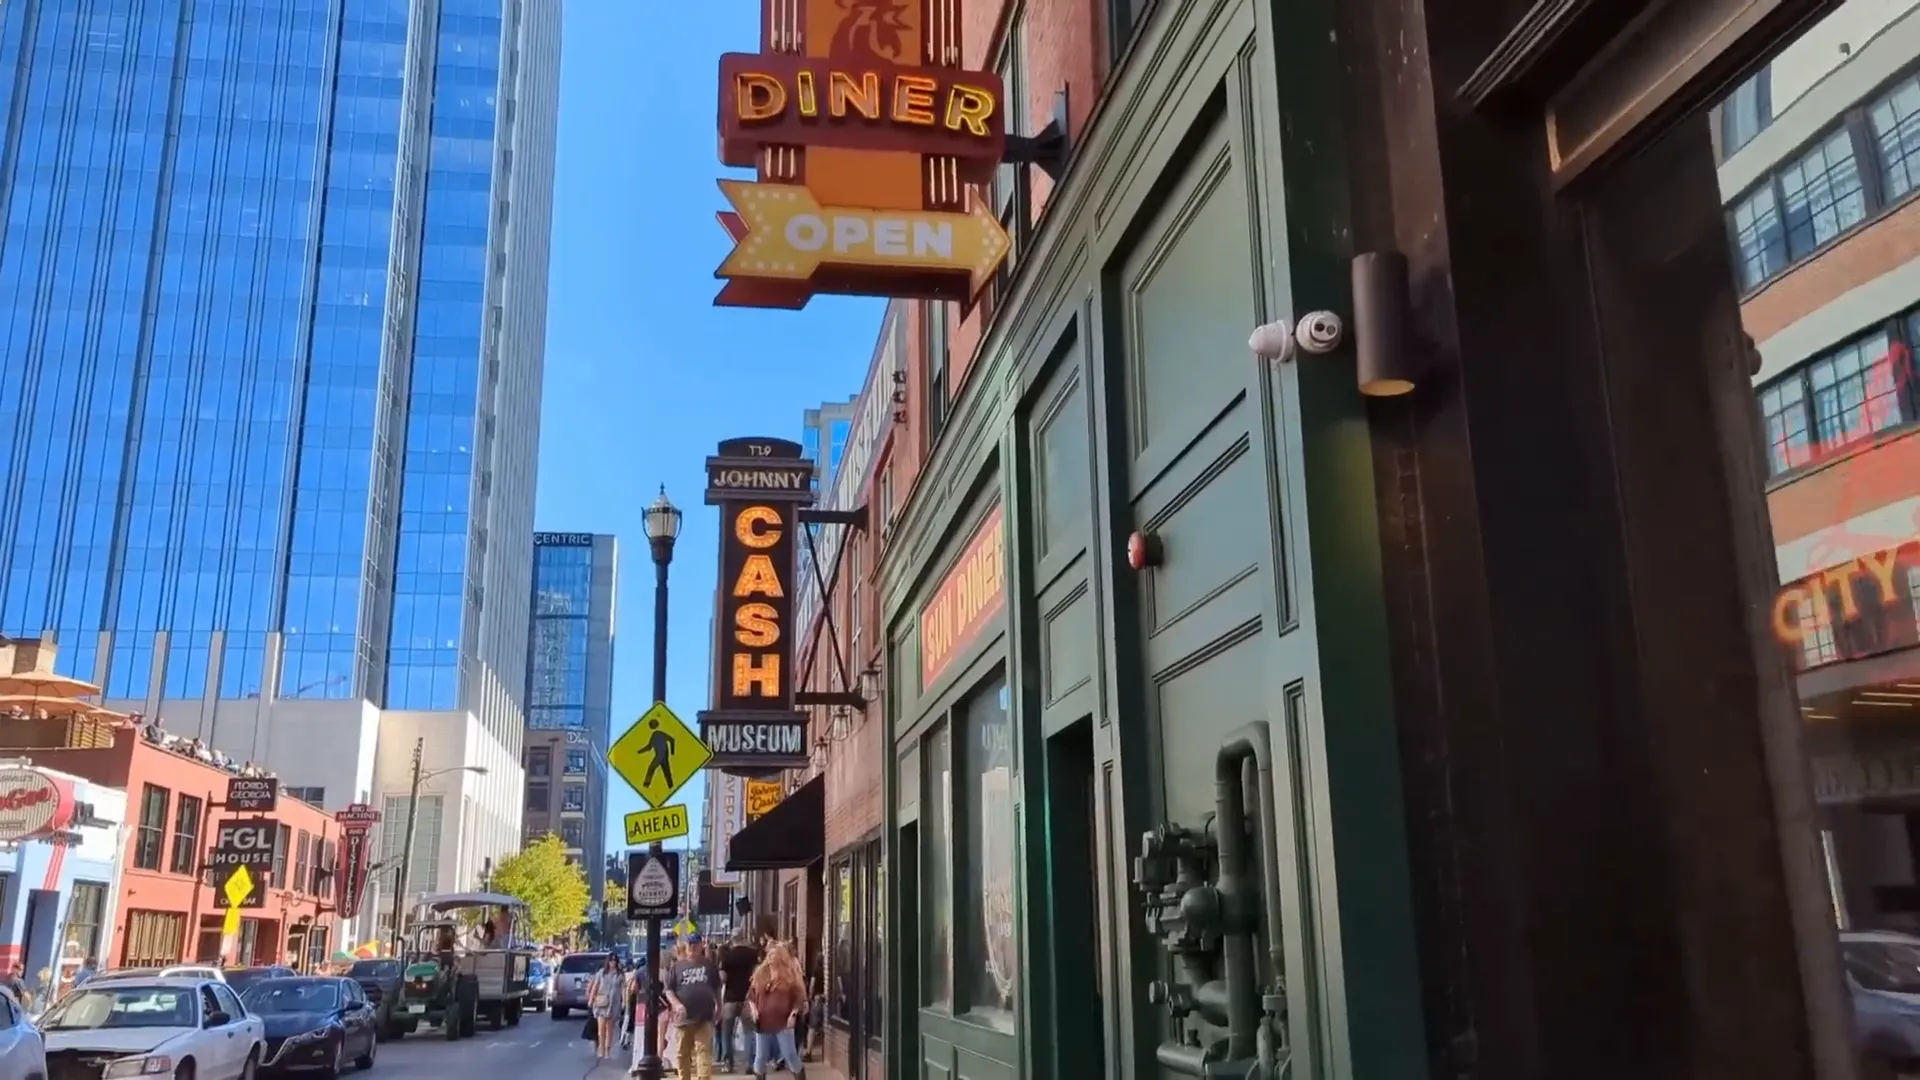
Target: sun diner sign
868, 141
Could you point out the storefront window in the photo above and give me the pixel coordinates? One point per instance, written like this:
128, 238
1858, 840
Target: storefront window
841, 997
936, 801
990, 959
1837, 408
84, 912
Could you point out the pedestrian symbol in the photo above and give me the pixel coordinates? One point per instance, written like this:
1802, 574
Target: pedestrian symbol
658, 755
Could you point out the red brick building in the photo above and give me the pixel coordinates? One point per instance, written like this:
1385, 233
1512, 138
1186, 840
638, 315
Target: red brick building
163, 914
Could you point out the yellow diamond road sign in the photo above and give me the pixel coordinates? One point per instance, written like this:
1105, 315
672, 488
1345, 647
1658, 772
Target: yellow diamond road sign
657, 755
237, 889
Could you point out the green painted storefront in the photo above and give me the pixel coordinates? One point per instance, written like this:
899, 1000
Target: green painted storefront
1116, 393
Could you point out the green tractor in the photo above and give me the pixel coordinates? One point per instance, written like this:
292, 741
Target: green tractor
461, 965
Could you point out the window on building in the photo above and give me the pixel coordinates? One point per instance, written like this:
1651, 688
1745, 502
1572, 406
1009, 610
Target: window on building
936, 865
573, 799
1798, 209
934, 390
323, 856
86, 916
573, 833
423, 862
576, 763
840, 970
282, 848
150, 841
538, 797
154, 938
1868, 163
302, 862
1842, 396
540, 761
1012, 188
317, 948
1124, 19
186, 834
989, 960
312, 796
874, 966
1065, 472
1746, 112
1894, 121
883, 497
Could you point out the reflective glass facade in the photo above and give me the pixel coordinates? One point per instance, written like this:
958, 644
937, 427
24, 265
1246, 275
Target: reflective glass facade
272, 275
570, 650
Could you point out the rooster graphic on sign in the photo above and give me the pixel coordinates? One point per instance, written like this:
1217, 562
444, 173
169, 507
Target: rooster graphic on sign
871, 30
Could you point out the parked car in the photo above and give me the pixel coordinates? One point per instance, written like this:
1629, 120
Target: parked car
569, 984
243, 978
314, 1023
176, 971
380, 981
539, 985
23, 1054
131, 1027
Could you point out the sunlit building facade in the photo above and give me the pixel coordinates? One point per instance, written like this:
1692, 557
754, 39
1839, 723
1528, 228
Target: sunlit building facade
570, 694
272, 307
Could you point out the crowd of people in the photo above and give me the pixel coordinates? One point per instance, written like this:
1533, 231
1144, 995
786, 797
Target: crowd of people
750, 996
155, 733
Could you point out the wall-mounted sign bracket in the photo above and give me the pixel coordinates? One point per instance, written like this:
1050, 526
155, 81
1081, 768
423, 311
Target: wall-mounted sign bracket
1050, 148
857, 517
846, 696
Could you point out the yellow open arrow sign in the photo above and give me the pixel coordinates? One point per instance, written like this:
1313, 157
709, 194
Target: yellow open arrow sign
790, 235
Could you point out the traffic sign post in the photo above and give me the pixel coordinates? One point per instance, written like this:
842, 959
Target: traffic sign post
658, 755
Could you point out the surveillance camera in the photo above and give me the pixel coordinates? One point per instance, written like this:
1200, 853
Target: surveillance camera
1319, 332
1274, 341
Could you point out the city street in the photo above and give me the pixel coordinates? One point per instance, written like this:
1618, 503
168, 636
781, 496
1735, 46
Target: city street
549, 1049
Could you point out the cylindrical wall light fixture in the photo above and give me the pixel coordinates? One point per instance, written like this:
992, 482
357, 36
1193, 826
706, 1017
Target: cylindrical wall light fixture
1388, 358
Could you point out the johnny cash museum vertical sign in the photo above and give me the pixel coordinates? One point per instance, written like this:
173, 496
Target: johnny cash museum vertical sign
760, 486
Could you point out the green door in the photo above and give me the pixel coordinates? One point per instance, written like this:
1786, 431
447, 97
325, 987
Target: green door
1246, 485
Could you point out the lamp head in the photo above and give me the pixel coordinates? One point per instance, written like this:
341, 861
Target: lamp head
663, 518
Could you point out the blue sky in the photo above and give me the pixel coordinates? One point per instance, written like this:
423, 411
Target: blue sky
644, 374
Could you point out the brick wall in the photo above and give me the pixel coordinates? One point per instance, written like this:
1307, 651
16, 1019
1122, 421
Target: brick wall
1059, 51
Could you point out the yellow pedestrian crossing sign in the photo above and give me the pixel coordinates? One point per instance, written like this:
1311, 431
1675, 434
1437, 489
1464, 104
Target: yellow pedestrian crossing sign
658, 755
237, 889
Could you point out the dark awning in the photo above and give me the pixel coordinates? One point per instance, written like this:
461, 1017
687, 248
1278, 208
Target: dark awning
791, 835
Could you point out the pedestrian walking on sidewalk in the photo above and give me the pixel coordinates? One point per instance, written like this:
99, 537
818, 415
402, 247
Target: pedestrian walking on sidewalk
739, 959
693, 991
777, 993
603, 1000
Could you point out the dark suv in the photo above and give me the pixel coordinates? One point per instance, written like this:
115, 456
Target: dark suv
381, 980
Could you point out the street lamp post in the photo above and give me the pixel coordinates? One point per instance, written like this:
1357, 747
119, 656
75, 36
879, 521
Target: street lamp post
663, 527
406, 845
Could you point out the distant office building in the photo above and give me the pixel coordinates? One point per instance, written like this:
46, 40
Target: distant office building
823, 435
273, 306
570, 694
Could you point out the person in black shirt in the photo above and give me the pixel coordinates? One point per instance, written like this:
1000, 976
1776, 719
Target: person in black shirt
737, 962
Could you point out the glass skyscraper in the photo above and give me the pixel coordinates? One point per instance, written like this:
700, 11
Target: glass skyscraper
272, 303
570, 694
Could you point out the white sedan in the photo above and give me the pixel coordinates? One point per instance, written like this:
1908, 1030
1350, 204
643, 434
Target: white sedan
160, 1027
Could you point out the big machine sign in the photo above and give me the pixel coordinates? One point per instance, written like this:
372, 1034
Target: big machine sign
759, 486
867, 140
356, 824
